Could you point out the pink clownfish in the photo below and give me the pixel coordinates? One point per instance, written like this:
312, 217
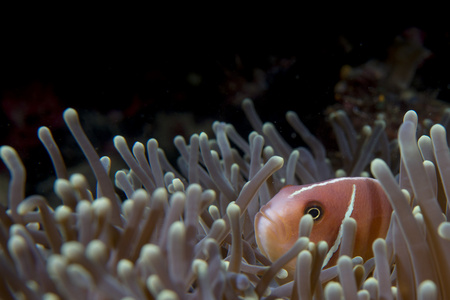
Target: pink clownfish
328, 202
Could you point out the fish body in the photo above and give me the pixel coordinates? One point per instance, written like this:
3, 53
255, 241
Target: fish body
329, 203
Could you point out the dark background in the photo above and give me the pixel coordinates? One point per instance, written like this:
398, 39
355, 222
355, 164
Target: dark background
121, 79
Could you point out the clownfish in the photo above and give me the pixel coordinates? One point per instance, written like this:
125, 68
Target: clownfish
329, 203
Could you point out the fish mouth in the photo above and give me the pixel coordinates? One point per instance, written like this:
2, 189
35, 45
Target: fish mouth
270, 224
262, 215
272, 234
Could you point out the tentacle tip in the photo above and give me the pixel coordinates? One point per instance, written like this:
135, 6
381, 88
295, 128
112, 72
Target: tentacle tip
277, 160
70, 114
43, 130
6, 152
290, 114
247, 102
267, 126
282, 274
118, 139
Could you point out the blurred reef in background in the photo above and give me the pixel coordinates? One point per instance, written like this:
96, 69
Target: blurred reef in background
145, 92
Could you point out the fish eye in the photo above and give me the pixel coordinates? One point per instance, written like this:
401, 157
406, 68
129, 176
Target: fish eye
315, 211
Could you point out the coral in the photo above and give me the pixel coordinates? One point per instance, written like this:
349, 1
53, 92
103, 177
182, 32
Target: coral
187, 232
386, 89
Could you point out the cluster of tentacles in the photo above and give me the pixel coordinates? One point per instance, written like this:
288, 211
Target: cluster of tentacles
187, 232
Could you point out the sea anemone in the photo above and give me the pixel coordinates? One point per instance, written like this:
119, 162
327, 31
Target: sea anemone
187, 232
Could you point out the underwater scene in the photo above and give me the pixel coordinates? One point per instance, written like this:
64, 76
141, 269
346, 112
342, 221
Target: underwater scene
322, 172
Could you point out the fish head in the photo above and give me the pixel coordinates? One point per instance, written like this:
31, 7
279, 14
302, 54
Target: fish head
329, 203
